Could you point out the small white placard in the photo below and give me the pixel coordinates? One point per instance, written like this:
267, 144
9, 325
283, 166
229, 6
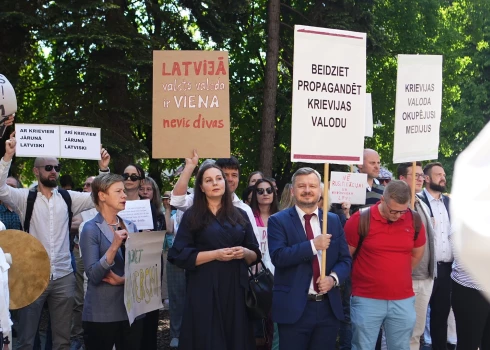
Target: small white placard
80, 142
264, 248
37, 140
139, 212
348, 187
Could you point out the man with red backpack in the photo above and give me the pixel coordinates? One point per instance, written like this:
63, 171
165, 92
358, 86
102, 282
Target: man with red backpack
386, 241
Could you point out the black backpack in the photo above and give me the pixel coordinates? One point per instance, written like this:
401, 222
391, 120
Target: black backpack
31, 198
365, 220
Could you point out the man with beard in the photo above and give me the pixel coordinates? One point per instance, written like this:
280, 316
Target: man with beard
49, 224
440, 300
307, 308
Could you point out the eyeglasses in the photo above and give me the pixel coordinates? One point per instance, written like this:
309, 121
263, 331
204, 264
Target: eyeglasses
401, 212
132, 177
384, 181
260, 191
56, 168
418, 176
87, 184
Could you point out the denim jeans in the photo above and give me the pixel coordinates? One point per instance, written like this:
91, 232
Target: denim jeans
368, 315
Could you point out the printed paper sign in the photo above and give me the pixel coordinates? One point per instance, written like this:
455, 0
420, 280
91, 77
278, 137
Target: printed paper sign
8, 100
264, 248
348, 187
37, 140
44, 140
191, 104
80, 142
418, 108
369, 116
139, 212
142, 271
329, 102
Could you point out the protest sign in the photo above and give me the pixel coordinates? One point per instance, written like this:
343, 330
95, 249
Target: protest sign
418, 108
264, 248
369, 116
80, 142
37, 140
8, 100
191, 104
142, 271
45, 140
329, 103
348, 187
139, 212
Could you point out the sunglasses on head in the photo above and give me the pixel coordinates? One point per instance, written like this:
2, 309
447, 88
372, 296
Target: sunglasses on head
132, 177
260, 191
57, 168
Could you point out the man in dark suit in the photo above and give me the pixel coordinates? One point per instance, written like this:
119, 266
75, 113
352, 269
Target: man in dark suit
307, 308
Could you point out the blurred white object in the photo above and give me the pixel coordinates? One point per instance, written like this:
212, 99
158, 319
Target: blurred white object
469, 208
5, 322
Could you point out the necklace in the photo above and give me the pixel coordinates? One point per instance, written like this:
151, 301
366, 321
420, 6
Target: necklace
114, 226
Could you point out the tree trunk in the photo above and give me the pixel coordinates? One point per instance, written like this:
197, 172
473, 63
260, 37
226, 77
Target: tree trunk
267, 132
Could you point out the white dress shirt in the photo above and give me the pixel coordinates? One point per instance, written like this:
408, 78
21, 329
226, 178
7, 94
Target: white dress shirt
49, 221
442, 228
185, 201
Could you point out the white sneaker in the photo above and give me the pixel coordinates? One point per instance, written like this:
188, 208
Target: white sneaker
174, 343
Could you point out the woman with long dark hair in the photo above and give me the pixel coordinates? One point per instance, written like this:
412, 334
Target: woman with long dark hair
214, 244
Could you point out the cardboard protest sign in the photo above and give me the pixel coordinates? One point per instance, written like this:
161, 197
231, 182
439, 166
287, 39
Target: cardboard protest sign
191, 104
142, 271
264, 248
80, 142
329, 102
37, 140
418, 108
44, 140
348, 187
139, 212
369, 116
8, 100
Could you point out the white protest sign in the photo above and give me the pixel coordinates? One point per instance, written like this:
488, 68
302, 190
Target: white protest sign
348, 187
329, 103
418, 108
142, 271
139, 212
8, 100
37, 140
369, 116
80, 142
264, 248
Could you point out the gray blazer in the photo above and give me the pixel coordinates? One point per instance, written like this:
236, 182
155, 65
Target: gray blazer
103, 302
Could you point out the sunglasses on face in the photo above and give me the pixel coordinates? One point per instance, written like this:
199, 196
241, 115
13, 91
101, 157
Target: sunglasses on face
56, 168
260, 191
132, 177
87, 184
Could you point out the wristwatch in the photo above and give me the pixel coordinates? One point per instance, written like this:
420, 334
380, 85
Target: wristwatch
335, 284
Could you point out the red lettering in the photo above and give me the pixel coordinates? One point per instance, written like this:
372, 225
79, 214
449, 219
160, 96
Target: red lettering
186, 64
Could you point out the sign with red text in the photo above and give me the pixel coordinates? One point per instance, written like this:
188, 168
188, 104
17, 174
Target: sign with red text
329, 102
142, 272
348, 187
191, 104
418, 108
264, 248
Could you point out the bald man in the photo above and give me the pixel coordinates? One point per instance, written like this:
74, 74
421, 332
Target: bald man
49, 224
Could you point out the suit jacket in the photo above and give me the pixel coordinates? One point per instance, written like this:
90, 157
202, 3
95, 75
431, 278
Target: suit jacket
291, 255
103, 301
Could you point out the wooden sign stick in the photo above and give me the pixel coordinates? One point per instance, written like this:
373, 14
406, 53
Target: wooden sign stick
414, 178
325, 211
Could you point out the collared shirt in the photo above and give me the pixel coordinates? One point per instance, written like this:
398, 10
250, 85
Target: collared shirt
442, 228
317, 231
185, 201
9, 218
49, 222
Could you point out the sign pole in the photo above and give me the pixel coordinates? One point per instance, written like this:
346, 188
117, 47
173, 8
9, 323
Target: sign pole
414, 178
352, 168
325, 212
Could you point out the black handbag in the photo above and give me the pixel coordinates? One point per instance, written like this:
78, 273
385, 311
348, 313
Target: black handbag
258, 298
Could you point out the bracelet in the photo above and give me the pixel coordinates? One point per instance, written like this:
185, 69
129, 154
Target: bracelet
104, 171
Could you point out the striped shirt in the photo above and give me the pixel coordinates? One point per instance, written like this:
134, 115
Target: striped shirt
459, 274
